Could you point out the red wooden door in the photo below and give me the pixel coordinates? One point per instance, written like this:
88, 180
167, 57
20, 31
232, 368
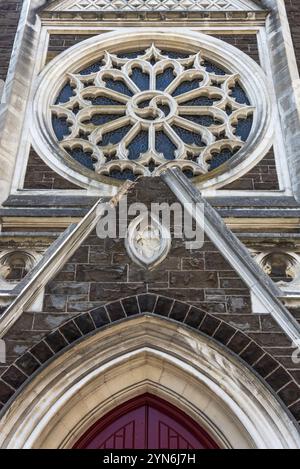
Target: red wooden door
146, 422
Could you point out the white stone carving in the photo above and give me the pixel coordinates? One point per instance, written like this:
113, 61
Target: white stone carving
290, 264
148, 241
163, 111
10, 259
155, 112
154, 5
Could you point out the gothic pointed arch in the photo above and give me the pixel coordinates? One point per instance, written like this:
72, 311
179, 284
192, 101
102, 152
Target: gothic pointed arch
187, 369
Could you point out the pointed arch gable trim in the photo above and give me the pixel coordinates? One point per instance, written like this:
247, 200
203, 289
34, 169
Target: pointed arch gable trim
152, 355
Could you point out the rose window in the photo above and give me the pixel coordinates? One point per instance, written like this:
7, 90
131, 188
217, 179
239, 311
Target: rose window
137, 113
133, 103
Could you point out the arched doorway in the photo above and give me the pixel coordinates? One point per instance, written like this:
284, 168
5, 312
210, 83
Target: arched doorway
146, 422
148, 355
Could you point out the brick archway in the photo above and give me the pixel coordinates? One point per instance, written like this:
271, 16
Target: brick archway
74, 330
146, 354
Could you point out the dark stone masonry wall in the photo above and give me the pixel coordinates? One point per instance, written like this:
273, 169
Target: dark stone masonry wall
9, 17
198, 288
60, 42
245, 42
40, 176
260, 178
293, 12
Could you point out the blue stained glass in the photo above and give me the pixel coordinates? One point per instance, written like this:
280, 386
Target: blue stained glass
93, 68
200, 101
60, 127
131, 55
151, 166
82, 157
115, 136
144, 104
174, 55
243, 128
76, 109
98, 100
100, 119
164, 145
186, 86
65, 94
239, 94
164, 108
228, 110
204, 120
123, 175
188, 173
118, 86
138, 145
213, 68
220, 158
140, 78
188, 137
164, 79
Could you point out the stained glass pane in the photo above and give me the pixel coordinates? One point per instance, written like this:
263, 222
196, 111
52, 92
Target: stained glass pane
164, 79
82, 157
151, 112
60, 127
164, 145
138, 145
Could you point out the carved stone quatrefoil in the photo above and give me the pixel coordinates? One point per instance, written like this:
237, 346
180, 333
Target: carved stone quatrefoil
148, 241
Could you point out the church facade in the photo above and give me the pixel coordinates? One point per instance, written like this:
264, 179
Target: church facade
149, 224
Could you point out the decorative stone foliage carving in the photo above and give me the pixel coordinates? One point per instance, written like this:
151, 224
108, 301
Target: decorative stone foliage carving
282, 266
14, 265
154, 5
136, 103
148, 241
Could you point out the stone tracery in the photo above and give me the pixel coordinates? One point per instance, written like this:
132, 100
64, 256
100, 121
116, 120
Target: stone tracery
138, 113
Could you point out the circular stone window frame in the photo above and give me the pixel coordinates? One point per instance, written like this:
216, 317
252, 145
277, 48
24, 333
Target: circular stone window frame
81, 55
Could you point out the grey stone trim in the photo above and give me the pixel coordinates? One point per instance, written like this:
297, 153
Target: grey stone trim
61, 201
232, 17
235, 252
43, 212
143, 5
286, 83
24, 201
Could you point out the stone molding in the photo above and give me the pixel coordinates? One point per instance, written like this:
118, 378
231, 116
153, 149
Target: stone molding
65, 393
153, 5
